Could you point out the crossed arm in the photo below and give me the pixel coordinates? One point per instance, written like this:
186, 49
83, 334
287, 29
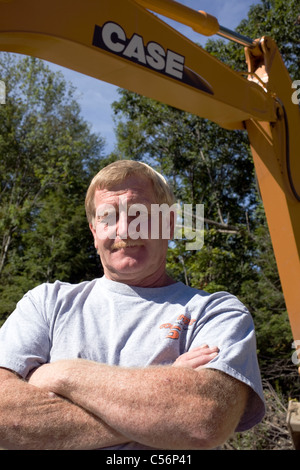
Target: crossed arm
79, 404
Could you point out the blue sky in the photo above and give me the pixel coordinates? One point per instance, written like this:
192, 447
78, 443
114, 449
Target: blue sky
95, 97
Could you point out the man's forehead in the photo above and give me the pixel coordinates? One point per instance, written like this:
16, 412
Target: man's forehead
140, 189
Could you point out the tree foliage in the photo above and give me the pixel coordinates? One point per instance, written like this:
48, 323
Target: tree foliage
48, 155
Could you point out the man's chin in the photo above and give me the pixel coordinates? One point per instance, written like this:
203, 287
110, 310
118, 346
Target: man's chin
128, 263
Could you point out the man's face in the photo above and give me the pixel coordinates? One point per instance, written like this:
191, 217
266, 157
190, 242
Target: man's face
122, 235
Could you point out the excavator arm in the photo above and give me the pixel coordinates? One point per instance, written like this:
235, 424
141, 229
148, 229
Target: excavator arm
124, 43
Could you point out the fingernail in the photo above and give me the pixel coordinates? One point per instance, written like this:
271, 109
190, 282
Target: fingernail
212, 355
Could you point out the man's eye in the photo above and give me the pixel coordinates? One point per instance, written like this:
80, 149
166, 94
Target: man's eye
141, 213
101, 217
106, 218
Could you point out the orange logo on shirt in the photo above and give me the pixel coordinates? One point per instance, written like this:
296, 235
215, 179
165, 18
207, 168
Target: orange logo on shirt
182, 323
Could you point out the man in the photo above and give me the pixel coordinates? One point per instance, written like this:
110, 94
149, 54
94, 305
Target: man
133, 360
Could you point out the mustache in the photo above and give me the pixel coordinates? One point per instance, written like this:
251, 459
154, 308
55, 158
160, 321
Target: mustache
117, 245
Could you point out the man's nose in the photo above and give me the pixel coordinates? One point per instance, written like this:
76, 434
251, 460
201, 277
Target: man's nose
122, 226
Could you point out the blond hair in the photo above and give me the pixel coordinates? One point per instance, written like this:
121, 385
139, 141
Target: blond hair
118, 171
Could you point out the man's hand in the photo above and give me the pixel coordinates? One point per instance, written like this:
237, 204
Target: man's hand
197, 357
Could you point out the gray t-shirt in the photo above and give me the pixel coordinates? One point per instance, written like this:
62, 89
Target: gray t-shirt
117, 324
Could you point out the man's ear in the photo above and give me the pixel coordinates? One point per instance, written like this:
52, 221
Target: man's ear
93, 230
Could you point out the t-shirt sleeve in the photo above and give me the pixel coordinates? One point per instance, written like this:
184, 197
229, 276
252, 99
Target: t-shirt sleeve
226, 323
24, 337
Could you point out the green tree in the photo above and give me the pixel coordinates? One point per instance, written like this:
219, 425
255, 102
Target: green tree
47, 157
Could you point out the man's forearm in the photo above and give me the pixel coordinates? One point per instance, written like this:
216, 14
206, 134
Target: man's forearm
31, 419
163, 407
